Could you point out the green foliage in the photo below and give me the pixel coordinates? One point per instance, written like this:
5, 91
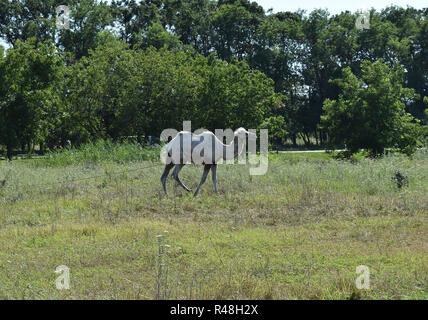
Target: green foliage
29, 80
426, 110
233, 95
96, 89
370, 114
158, 37
228, 63
275, 125
35, 19
118, 92
87, 19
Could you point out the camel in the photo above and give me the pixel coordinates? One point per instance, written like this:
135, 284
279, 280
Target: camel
205, 149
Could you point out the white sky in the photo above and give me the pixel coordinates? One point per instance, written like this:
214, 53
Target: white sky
333, 6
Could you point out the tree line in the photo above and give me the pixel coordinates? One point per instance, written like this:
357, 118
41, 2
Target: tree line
136, 67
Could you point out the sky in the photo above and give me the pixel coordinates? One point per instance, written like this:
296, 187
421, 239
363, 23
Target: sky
333, 6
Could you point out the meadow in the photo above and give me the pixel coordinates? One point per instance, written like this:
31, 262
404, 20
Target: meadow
298, 232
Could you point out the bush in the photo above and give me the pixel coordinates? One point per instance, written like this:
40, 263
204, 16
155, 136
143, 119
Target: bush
370, 113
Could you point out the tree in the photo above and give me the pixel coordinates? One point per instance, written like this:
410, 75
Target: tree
370, 113
158, 37
29, 96
232, 95
117, 91
276, 129
192, 23
234, 26
134, 17
320, 63
24, 19
98, 89
300, 52
87, 19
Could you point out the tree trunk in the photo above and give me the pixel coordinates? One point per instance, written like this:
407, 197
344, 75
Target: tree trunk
294, 140
306, 138
9, 153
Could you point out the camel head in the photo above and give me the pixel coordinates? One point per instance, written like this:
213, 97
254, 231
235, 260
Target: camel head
243, 134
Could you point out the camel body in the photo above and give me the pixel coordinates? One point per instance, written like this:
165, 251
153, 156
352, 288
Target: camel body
204, 148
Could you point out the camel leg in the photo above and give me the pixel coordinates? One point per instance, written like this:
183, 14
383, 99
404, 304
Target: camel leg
165, 173
207, 168
177, 169
214, 176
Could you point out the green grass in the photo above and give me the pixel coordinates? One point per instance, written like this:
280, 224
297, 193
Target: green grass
97, 152
294, 157
298, 232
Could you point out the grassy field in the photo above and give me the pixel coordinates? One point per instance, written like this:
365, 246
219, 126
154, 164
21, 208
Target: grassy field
298, 232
